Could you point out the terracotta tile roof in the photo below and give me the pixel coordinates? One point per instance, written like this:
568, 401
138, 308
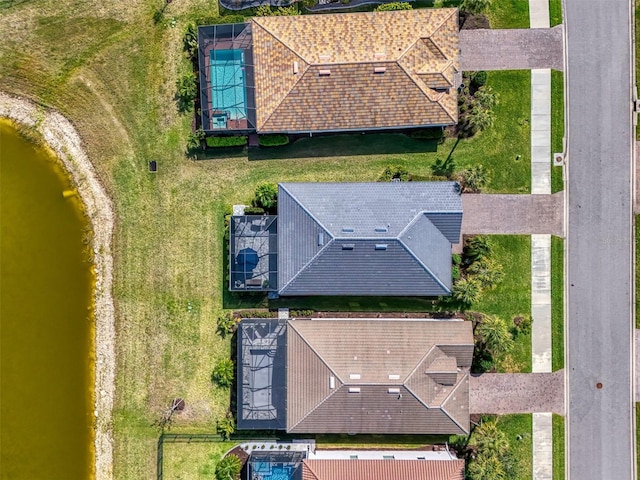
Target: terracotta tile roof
378, 376
383, 469
355, 71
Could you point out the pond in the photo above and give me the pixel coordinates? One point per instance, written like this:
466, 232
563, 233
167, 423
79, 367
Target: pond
46, 321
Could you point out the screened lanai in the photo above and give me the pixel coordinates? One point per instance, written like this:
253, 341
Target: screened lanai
262, 352
226, 78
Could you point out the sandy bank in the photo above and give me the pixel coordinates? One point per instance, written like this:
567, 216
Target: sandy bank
62, 137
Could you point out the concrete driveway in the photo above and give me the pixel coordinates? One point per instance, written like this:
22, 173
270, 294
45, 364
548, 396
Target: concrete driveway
505, 393
500, 214
513, 49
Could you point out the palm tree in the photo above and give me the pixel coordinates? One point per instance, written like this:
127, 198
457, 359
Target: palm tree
487, 467
488, 272
480, 118
467, 290
266, 196
223, 373
491, 440
228, 468
495, 334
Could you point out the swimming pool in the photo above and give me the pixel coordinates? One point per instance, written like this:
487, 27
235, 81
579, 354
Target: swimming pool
228, 82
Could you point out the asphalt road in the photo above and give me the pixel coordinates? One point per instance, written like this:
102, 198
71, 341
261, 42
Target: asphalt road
599, 283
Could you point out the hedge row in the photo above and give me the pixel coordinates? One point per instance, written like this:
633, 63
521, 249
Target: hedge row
273, 140
226, 141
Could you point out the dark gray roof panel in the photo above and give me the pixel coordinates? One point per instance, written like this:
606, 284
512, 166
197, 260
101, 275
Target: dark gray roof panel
449, 224
361, 269
427, 243
368, 208
297, 237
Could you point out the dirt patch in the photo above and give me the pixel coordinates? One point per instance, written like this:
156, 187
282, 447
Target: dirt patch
62, 138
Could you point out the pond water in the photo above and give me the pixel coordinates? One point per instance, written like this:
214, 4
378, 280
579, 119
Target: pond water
46, 325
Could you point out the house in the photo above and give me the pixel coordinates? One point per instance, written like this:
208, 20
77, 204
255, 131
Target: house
355, 469
353, 376
385, 239
330, 73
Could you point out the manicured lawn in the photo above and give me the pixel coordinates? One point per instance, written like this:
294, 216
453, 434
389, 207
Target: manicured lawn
557, 126
557, 303
509, 14
113, 72
555, 12
378, 441
558, 447
192, 461
514, 427
638, 435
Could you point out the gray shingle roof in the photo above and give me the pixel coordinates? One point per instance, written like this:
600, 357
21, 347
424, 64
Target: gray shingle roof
367, 238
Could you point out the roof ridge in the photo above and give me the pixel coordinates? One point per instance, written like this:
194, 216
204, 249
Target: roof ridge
306, 464
302, 337
420, 262
408, 74
319, 223
299, 76
444, 20
444, 402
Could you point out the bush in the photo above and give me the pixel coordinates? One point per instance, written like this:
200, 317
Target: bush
187, 87
273, 140
397, 172
267, 11
190, 40
455, 273
474, 6
194, 141
522, 324
472, 179
467, 290
228, 468
488, 272
266, 196
223, 373
227, 324
456, 259
475, 249
386, 7
479, 79
226, 141
495, 335
254, 211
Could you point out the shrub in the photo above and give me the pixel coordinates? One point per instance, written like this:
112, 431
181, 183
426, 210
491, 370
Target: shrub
267, 11
489, 439
495, 335
273, 140
486, 466
455, 273
522, 324
479, 79
190, 40
474, 6
475, 249
488, 272
266, 196
386, 7
485, 98
228, 468
194, 141
227, 324
223, 373
472, 179
254, 211
187, 87
397, 172
467, 290
456, 259
226, 141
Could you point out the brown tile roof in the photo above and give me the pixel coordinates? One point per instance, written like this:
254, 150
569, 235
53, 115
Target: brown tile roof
417, 49
383, 469
375, 376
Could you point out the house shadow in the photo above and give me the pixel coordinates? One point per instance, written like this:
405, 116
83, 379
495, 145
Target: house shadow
217, 153
345, 145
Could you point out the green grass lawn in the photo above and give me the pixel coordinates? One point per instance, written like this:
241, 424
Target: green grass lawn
555, 12
514, 427
558, 447
637, 228
557, 127
637, 33
557, 303
509, 14
112, 71
192, 461
345, 441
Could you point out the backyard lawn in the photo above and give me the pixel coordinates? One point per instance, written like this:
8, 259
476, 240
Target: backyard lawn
112, 70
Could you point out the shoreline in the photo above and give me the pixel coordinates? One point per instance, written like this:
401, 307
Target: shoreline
61, 136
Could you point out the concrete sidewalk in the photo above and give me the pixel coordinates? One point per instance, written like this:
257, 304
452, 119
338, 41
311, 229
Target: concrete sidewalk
513, 49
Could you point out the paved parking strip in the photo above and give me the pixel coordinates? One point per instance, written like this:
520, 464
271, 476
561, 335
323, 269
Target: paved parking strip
513, 214
506, 393
513, 49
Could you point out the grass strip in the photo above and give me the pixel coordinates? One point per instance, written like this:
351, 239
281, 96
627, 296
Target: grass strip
557, 303
558, 447
557, 127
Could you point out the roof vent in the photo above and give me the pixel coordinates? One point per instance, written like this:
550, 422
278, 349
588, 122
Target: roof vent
354, 389
393, 376
379, 69
354, 376
320, 239
348, 246
394, 391
324, 56
381, 246
325, 72
382, 229
379, 55
332, 382
295, 68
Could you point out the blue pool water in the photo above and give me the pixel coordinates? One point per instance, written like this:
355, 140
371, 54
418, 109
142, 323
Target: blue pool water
228, 83
266, 471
